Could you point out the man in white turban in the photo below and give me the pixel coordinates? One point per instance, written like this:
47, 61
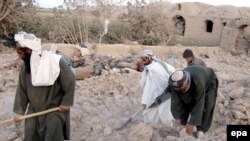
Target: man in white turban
154, 80
194, 91
45, 82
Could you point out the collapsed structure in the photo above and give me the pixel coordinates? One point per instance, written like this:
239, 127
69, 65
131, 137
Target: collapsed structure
200, 24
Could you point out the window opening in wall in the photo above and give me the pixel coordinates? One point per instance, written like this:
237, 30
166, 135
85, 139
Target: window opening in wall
180, 24
209, 26
224, 24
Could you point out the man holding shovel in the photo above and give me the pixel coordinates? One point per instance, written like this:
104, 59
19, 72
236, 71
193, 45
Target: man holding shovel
45, 82
154, 80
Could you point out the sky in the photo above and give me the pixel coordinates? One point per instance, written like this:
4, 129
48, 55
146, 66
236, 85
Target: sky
238, 3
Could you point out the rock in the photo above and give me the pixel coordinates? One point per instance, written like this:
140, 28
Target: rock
220, 97
226, 112
200, 135
248, 115
223, 136
2, 84
2, 88
226, 103
247, 95
220, 130
236, 93
18, 139
83, 138
239, 108
75, 114
84, 72
142, 132
239, 115
238, 102
107, 131
246, 103
188, 138
221, 108
97, 128
73, 125
12, 136
183, 133
172, 138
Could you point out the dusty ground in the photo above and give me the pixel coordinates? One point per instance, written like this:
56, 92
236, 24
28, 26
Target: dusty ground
103, 102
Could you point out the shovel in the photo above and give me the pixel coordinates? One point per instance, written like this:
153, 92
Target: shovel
30, 115
130, 119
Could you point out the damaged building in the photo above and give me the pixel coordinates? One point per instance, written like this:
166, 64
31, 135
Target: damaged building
199, 24
236, 36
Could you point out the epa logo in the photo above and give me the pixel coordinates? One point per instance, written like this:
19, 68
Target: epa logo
239, 134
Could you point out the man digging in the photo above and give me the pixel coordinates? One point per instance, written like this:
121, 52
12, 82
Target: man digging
45, 82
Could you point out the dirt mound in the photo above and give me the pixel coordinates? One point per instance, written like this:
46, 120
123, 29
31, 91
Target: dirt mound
103, 103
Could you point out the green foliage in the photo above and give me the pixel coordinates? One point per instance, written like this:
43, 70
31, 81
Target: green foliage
11, 15
38, 26
147, 25
118, 32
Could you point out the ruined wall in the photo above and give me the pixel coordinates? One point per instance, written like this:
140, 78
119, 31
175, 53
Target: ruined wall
236, 36
228, 38
191, 20
196, 30
195, 25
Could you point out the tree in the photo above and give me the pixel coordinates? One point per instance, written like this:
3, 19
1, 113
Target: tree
150, 26
10, 16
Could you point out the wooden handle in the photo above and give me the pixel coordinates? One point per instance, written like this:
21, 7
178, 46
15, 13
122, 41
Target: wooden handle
137, 112
31, 115
38, 113
7, 121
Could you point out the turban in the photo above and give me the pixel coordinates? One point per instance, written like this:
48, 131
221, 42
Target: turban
146, 53
179, 78
28, 40
44, 65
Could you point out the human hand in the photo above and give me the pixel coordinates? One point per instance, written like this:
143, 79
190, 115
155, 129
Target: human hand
17, 118
189, 129
63, 108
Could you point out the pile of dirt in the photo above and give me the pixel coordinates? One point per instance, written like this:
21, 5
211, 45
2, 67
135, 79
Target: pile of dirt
102, 103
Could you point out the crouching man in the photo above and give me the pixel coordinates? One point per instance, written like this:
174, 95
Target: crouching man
194, 92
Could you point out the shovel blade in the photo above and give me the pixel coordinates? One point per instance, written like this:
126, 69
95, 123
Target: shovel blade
125, 124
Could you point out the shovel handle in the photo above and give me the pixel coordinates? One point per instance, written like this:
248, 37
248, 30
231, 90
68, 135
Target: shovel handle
137, 112
7, 121
31, 115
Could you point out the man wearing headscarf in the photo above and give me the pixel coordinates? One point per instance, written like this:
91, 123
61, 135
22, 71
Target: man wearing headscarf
191, 59
194, 92
154, 80
45, 82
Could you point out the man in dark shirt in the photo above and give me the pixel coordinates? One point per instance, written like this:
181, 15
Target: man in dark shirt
191, 59
32, 98
194, 92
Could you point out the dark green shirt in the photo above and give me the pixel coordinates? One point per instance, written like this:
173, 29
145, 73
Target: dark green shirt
194, 99
40, 98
